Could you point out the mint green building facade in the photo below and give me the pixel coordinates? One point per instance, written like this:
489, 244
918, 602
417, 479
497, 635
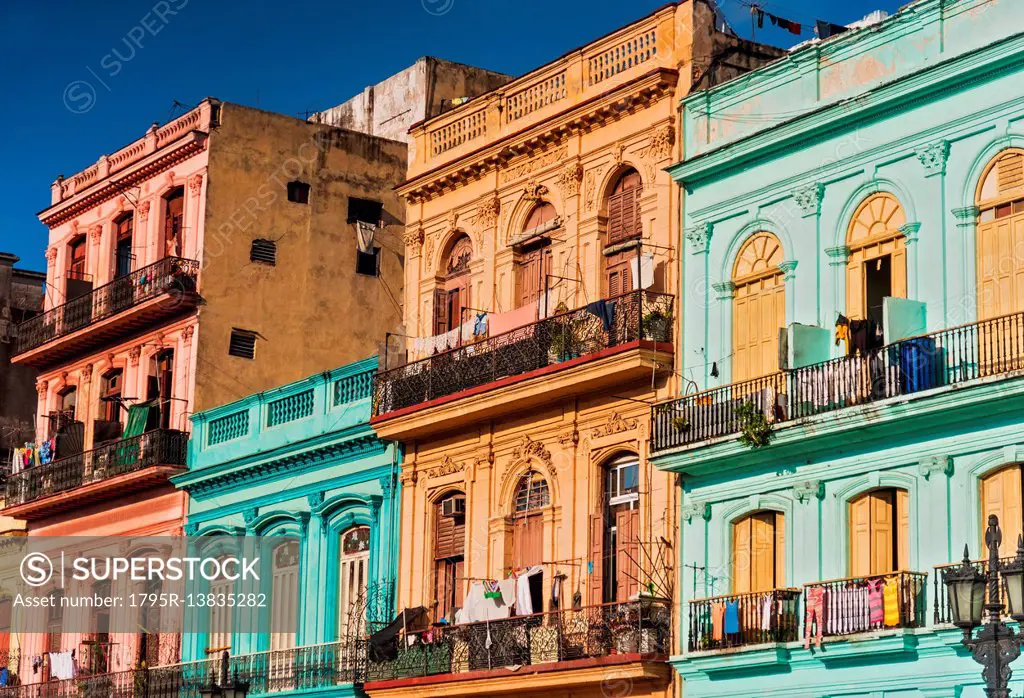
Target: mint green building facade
875, 179
300, 461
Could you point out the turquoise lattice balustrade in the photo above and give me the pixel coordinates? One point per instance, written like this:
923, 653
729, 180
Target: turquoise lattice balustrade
352, 388
230, 426
288, 409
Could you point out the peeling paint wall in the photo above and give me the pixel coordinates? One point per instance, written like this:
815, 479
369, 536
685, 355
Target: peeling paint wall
419, 92
311, 311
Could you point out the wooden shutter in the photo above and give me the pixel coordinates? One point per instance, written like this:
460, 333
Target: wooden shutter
882, 532
1000, 274
759, 310
440, 311
762, 551
860, 536
527, 541
595, 584
902, 561
780, 551
1001, 495
627, 523
624, 215
741, 556
615, 218
619, 273
855, 287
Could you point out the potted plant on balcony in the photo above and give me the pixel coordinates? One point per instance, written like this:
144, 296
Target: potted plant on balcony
656, 326
755, 429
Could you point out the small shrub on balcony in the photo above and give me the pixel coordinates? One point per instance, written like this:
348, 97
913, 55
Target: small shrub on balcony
755, 430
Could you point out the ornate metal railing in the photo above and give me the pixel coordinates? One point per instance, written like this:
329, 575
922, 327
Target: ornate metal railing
862, 604
949, 357
737, 620
641, 627
122, 684
298, 668
943, 612
159, 447
577, 333
172, 275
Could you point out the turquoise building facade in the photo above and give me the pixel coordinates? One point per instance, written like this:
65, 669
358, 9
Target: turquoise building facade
853, 313
302, 462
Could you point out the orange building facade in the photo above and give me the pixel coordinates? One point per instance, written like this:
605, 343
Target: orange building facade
540, 292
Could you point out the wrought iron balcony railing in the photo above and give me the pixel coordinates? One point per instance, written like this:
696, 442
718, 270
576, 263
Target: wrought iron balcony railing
948, 357
641, 627
863, 604
638, 315
298, 668
738, 620
943, 612
159, 447
172, 275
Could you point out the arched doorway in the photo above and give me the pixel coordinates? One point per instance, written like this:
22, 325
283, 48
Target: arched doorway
880, 532
877, 266
1000, 239
353, 580
623, 210
759, 307
533, 256
758, 552
451, 297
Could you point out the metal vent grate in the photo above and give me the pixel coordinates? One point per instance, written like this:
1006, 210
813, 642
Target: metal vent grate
243, 344
264, 252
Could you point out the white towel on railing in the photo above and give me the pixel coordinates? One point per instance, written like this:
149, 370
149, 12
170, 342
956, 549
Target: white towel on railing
643, 271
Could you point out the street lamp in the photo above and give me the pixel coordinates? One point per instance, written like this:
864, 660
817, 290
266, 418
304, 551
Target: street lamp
220, 685
996, 645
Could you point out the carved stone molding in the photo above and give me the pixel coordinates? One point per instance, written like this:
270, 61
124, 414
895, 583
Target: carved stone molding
413, 242
909, 231
660, 145
186, 334
724, 290
838, 256
487, 211
250, 515
133, 355
615, 424
41, 389
935, 464
521, 169
528, 448
51, 255
195, 184
933, 156
87, 373
408, 478
452, 219
95, 234
804, 491
691, 510
591, 179
699, 237
448, 466
315, 500
569, 180
808, 198
533, 192
966, 217
142, 211
788, 268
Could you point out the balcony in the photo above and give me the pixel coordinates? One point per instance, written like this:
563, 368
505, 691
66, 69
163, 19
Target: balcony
564, 355
635, 633
109, 313
762, 617
867, 604
111, 470
299, 668
929, 364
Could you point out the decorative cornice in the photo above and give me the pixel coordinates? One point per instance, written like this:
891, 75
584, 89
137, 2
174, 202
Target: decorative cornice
190, 529
292, 464
487, 210
803, 491
615, 424
51, 255
966, 217
250, 515
808, 198
448, 466
529, 448
724, 290
195, 184
699, 237
533, 192
909, 231
933, 157
788, 268
692, 510
142, 211
935, 464
315, 500
838, 256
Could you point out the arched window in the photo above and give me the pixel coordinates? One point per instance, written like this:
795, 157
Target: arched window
615, 532
449, 551
451, 297
528, 503
76, 258
532, 262
880, 532
284, 596
174, 222
1001, 495
758, 552
124, 257
878, 257
353, 579
1000, 201
218, 638
623, 209
758, 308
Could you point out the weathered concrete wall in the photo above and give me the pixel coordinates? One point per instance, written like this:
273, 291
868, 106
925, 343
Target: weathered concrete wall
312, 311
419, 92
21, 297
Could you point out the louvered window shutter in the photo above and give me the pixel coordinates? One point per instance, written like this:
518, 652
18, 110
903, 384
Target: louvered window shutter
440, 311
595, 584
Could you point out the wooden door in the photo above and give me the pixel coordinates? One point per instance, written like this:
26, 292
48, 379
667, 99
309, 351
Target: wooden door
618, 274
759, 311
879, 532
758, 552
527, 541
595, 581
627, 535
1001, 495
1000, 273
531, 270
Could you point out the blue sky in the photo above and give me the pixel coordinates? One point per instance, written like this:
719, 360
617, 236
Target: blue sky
70, 98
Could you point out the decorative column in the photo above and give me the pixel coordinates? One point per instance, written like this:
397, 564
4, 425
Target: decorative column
938, 473
725, 292
809, 520
909, 231
42, 408
194, 215
808, 201
144, 238
85, 406
50, 295
933, 157
694, 287
838, 258
967, 231
788, 268
313, 624
94, 266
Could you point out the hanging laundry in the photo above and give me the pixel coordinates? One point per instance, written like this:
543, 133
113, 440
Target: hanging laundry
891, 602
491, 590
480, 325
643, 271
717, 620
814, 616
364, 236
732, 618
524, 596
877, 615
783, 23
825, 30
604, 310
501, 323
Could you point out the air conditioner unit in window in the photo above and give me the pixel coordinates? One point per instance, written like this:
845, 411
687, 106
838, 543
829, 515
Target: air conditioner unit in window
455, 506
